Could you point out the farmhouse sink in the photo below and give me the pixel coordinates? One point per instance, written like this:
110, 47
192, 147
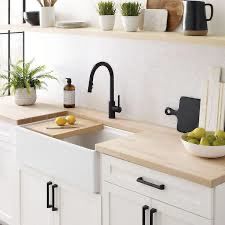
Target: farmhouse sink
72, 159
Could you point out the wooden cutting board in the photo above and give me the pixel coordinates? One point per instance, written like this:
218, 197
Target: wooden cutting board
187, 114
175, 11
82, 126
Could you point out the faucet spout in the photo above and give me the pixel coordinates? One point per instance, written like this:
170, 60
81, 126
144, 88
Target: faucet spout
112, 107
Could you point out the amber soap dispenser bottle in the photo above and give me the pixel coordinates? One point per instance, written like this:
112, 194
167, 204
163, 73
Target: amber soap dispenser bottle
69, 94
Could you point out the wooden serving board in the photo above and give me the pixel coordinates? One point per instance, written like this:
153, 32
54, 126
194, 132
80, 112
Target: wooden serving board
82, 126
175, 11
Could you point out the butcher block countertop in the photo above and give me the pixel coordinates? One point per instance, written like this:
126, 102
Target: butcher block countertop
19, 115
151, 146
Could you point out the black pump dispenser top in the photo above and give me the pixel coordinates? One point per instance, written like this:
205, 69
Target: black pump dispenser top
69, 81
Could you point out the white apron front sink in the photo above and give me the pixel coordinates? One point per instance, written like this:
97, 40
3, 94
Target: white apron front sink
73, 159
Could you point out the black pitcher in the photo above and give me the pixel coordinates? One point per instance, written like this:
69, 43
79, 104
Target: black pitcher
195, 21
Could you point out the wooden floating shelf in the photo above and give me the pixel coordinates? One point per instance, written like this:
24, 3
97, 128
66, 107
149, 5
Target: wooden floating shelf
141, 35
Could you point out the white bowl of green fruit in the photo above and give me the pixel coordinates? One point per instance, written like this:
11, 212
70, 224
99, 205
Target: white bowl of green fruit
206, 144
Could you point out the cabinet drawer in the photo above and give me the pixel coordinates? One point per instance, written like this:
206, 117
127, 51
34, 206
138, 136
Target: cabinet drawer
183, 194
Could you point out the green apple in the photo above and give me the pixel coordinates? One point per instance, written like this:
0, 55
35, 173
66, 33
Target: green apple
220, 134
219, 142
204, 141
211, 138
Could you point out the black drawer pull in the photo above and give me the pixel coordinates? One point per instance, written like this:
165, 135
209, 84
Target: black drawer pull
160, 187
54, 186
152, 211
48, 186
144, 208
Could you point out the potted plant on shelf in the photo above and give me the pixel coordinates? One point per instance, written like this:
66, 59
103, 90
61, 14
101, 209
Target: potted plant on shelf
47, 13
106, 12
130, 15
24, 81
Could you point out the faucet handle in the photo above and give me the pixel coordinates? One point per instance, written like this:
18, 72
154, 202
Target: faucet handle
118, 100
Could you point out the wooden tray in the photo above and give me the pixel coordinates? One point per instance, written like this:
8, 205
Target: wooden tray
175, 10
82, 126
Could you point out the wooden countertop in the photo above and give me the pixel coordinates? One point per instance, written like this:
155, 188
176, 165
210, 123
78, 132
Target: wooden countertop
18, 115
164, 152
151, 146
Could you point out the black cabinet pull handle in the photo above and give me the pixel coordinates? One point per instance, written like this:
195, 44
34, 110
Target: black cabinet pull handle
152, 211
144, 208
160, 187
54, 186
48, 186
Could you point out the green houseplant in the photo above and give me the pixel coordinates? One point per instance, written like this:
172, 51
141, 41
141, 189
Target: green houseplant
106, 11
130, 15
24, 80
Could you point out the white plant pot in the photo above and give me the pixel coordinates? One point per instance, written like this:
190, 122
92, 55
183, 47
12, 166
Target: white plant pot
107, 22
22, 97
47, 17
130, 23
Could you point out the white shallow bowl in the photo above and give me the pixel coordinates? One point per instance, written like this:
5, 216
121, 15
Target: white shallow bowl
211, 152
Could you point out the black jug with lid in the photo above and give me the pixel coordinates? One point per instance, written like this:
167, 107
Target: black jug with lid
195, 20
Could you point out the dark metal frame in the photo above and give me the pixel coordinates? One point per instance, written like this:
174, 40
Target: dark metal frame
9, 33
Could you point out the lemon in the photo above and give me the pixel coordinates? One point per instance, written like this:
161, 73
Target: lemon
71, 119
60, 121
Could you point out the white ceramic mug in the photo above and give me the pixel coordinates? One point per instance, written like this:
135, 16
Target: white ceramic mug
47, 17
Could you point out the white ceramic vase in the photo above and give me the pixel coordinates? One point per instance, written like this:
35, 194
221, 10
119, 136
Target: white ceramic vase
22, 97
107, 22
130, 23
47, 17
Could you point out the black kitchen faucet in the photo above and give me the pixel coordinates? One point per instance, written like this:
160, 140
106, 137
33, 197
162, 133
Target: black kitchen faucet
112, 107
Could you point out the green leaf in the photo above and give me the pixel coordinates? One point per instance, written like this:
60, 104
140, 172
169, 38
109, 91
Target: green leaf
22, 75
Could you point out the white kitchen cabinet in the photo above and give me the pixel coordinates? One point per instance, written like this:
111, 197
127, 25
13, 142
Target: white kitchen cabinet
9, 176
69, 207
33, 195
7, 185
123, 207
163, 214
76, 207
124, 197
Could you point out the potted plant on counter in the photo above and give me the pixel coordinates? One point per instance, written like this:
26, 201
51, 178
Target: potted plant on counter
47, 13
130, 15
106, 12
24, 81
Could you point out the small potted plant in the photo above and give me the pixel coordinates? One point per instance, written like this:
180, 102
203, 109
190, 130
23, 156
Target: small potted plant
106, 12
47, 13
24, 81
130, 15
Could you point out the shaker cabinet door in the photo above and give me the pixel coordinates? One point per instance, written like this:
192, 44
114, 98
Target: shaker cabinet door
163, 214
76, 207
124, 207
9, 185
33, 191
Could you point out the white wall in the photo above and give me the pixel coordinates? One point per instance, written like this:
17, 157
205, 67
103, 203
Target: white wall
149, 75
